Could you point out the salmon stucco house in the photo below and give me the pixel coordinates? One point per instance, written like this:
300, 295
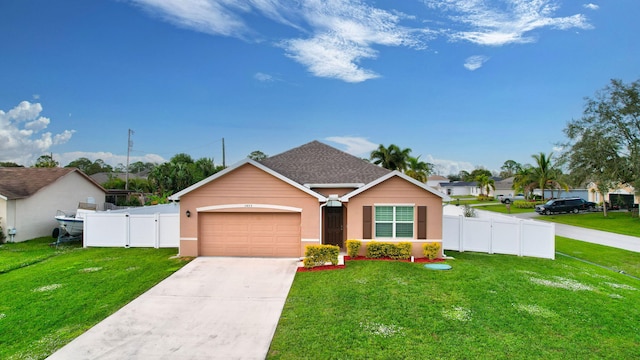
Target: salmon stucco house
309, 195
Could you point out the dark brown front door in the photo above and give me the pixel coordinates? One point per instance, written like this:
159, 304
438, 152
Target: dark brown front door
333, 226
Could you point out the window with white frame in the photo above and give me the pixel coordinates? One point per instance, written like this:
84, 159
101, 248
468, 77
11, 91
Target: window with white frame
394, 221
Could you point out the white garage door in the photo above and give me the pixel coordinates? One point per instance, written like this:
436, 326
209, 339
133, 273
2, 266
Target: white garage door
250, 234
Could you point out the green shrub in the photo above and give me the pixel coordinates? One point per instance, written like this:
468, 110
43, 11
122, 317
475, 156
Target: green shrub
431, 250
523, 204
353, 247
401, 250
485, 198
3, 237
318, 255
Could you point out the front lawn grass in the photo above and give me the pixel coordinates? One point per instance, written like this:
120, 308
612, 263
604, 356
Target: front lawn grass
619, 222
502, 208
49, 296
616, 259
486, 307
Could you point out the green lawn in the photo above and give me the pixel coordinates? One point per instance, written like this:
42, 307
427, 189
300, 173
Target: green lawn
49, 296
486, 307
502, 208
619, 222
616, 259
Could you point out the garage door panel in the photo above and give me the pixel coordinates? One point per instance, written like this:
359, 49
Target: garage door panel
250, 234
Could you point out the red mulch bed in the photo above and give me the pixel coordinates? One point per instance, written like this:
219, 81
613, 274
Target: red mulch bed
348, 258
321, 268
417, 260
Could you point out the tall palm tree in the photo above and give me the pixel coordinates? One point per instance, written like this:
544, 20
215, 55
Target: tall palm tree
418, 169
523, 180
485, 183
392, 158
544, 173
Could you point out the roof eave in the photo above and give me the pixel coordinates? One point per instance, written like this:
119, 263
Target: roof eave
179, 194
346, 197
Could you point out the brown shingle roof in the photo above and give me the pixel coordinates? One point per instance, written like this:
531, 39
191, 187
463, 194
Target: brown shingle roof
18, 183
317, 163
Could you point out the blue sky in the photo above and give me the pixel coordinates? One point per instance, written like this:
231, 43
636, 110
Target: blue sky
463, 83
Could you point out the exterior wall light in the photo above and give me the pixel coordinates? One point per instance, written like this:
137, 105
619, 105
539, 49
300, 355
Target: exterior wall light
188, 213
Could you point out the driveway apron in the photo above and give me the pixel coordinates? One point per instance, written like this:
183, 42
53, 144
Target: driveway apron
212, 308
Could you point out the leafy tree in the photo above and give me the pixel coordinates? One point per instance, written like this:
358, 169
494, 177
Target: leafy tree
9, 164
139, 166
46, 161
182, 158
464, 175
81, 163
596, 158
477, 172
114, 183
392, 158
454, 177
605, 141
418, 169
257, 155
89, 167
509, 169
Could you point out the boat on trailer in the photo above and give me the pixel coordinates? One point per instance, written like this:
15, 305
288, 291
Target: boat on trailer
71, 224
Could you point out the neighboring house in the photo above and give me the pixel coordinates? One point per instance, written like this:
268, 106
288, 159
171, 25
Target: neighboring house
562, 193
504, 187
30, 198
435, 180
623, 193
460, 188
312, 194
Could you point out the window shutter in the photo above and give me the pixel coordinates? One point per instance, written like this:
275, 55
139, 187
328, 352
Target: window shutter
422, 222
366, 222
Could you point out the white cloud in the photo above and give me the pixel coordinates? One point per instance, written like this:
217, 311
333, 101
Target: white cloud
263, 77
475, 62
108, 157
591, 6
487, 23
335, 36
21, 137
446, 167
211, 17
357, 146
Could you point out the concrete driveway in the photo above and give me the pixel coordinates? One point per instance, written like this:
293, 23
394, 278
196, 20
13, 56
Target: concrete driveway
213, 308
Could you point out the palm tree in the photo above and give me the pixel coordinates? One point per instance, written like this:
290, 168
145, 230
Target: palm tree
485, 183
548, 175
418, 169
392, 158
523, 181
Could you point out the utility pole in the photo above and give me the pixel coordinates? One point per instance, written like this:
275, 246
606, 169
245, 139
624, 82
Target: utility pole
130, 145
224, 164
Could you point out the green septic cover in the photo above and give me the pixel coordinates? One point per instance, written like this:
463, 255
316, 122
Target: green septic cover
438, 266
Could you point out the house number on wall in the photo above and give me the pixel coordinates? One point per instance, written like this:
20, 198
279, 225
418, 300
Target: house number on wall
248, 205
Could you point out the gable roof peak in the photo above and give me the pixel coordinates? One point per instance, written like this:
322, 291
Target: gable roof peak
318, 163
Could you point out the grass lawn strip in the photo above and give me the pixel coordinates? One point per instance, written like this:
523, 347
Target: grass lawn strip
619, 222
45, 305
487, 306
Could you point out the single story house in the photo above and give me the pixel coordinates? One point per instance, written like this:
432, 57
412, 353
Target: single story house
460, 188
312, 194
624, 195
30, 198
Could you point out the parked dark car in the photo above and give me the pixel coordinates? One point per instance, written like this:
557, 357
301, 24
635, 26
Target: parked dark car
565, 205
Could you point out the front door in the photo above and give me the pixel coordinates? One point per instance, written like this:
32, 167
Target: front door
333, 222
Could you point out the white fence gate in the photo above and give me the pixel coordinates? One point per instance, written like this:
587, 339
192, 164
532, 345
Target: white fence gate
104, 229
499, 235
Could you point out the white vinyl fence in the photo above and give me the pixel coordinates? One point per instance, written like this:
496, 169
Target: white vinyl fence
104, 229
499, 235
